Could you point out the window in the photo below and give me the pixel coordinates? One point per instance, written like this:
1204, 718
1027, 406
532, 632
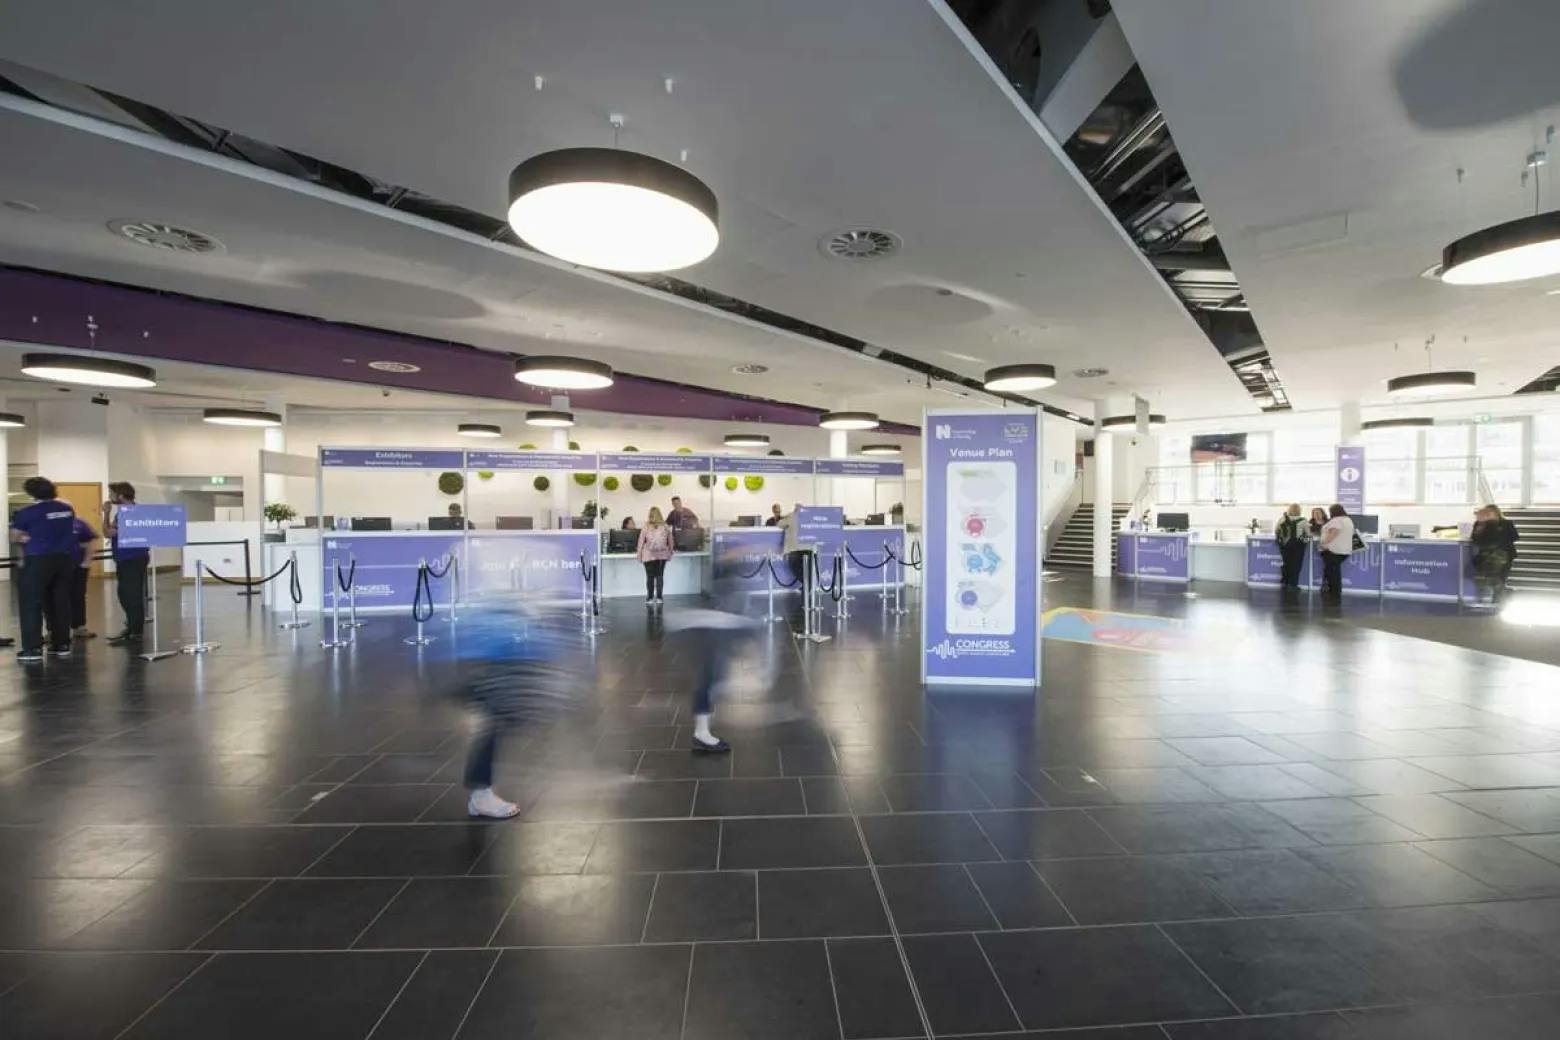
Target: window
1546, 458
1447, 451
1391, 465
1173, 479
1500, 458
1303, 461
1249, 479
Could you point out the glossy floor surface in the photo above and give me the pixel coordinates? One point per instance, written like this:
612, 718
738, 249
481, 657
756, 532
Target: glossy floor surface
1283, 824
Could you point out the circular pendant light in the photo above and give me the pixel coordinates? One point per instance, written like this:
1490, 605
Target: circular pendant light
479, 429
848, 420
1511, 252
563, 373
612, 209
1429, 384
1016, 379
11, 421
880, 449
1118, 422
1396, 424
747, 440
546, 417
240, 417
88, 371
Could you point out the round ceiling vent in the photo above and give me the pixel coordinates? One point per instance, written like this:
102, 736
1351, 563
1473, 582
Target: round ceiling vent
399, 367
165, 236
1090, 373
750, 369
860, 244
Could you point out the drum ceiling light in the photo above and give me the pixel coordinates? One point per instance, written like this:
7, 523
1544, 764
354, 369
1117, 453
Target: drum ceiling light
563, 373
479, 429
1429, 384
88, 371
11, 421
1516, 251
240, 417
1394, 424
747, 440
1018, 379
848, 421
1121, 422
880, 449
546, 417
613, 209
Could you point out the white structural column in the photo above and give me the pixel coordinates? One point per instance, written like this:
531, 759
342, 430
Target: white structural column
839, 448
1349, 422
1104, 483
274, 439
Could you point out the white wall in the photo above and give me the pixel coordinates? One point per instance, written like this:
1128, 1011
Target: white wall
73, 441
1058, 457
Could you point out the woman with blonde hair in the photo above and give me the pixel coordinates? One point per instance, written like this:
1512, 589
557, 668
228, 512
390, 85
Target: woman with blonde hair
656, 545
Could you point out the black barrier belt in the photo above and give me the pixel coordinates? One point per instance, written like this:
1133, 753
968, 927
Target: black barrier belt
345, 584
916, 558
587, 572
756, 570
865, 566
240, 581
449, 561
818, 574
422, 598
294, 586
793, 583
913, 563
837, 593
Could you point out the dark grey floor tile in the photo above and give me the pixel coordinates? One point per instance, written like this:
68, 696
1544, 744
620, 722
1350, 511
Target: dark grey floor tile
1434, 816
790, 842
588, 910
872, 990
441, 912
678, 764
1324, 1026
957, 986
1099, 1033
1167, 785
406, 850
762, 991
267, 995
1340, 821
1487, 771
1224, 751
537, 848
710, 905
795, 904
1373, 776
417, 741
303, 914
1499, 864
86, 852
168, 916
655, 845
400, 769
1254, 782
1196, 828
774, 797
435, 999
88, 996
1269, 881
1018, 896
1007, 790
1533, 810
372, 803
45, 912
926, 838
218, 852
825, 795
932, 792
1046, 834
1397, 875
1485, 1019
934, 899
1536, 921
630, 800
1127, 890
1064, 786
1545, 845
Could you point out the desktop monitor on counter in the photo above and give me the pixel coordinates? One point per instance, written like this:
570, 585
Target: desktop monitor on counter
515, 523
745, 521
447, 523
621, 541
1175, 521
314, 521
1366, 523
1403, 530
370, 523
874, 519
688, 539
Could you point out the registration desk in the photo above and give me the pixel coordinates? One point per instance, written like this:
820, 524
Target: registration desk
737, 553
1395, 568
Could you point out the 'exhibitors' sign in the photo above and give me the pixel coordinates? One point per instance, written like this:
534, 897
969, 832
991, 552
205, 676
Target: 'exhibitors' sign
1351, 478
648, 462
859, 468
979, 622
150, 526
391, 458
763, 464
530, 460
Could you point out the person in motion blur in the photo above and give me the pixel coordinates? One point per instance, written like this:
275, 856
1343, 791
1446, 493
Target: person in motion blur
1290, 533
681, 518
1494, 544
656, 546
1337, 545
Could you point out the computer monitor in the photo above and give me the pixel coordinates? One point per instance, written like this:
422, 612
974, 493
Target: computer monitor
370, 523
446, 523
745, 521
688, 539
621, 541
1403, 530
314, 521
874, 519
581, 523
1175, 521
514, 523
1366, 523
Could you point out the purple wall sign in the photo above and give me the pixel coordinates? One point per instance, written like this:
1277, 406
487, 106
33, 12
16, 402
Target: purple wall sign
392, 458
151, 526
1164, 557
531, 460
866, 547
1361, 572
1126, 554
1417, 568
821, 527
650, 462
762, 464
1351, 477
982, 599
386, 573
736, 551
538, 565
859, 468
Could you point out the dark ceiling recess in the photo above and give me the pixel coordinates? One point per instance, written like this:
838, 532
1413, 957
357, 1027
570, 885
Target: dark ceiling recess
75, 97
1546, 383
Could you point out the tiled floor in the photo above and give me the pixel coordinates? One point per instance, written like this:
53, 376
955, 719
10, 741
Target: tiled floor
1298, 827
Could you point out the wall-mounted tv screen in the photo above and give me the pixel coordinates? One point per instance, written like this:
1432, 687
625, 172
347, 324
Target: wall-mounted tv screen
1219, 447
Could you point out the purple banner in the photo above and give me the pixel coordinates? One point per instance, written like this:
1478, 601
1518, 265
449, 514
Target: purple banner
1419, 568
386, 573
736, 551
539, 565
392, 458
1126, 554
982, 599
533, 460
866, 552
859, 468
1351, 477
647, 462
762, 464
149, 526
1361, 571
1165, 557
1264, 563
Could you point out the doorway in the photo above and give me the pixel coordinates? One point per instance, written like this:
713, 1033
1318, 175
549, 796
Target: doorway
86, 498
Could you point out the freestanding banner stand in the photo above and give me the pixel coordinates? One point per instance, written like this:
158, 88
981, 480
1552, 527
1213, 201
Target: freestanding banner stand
981, 612
153, 527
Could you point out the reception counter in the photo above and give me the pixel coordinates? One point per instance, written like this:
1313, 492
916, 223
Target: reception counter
1397, 568
737, 552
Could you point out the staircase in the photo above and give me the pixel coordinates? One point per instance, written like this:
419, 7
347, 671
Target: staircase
1075, 548
1538, 549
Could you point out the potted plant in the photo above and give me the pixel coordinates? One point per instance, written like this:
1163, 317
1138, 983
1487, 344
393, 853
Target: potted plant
278, 513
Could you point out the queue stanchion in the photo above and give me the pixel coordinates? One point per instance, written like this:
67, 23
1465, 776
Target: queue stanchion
899, 571
453, 570
841, 583
156, 653
809, 624
352, 623
335, 642
422, 606
200, 646
770, 617
295, 592
250, 586
584, 591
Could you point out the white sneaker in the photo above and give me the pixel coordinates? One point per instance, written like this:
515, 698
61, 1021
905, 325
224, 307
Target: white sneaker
483, 802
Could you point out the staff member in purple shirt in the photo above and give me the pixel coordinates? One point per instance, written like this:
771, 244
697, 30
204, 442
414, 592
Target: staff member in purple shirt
681, 518
81, 553
47, 534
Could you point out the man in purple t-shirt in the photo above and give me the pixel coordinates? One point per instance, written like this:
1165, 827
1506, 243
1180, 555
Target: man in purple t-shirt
47, 534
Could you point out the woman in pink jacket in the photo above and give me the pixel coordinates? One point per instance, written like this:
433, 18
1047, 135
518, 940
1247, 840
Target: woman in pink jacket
655, 548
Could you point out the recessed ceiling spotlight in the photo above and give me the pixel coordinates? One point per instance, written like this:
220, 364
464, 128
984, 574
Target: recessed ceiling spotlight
240, 417
750, 369
478, 429
11, 421
860, 244
88, 371
613, 209
1090, 373
880, 449
563, 373
550, 417
165, 236
1120, 422
398, 367
747, 440
1016, 379
848, 421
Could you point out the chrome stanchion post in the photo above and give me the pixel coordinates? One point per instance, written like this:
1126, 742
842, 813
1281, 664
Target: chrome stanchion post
454, 572
841, 605
422, 583
770, 616
352, 618
292, 581
335, 641
883, 581
156, 653
200, 645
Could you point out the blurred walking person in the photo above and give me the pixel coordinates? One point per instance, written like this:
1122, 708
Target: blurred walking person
1494, 544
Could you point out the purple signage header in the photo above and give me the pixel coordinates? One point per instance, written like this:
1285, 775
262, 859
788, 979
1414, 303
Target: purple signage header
762, 464
819, 527
1351, 477
1163, 557
392, 458
568, 460
144, 527
1416, 568
859, 468
648, 462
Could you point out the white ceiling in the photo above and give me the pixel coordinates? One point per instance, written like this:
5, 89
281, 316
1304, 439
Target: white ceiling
1325, 139
804, 117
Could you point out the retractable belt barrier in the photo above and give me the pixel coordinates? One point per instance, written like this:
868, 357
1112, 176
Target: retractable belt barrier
422, 606
590, 597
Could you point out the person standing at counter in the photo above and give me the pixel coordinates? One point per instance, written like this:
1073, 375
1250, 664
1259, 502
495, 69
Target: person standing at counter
681, 518
47, 534
1494, 543
1337, 545
1290, 534
1316, 523
129, 567
656, 546
775, 516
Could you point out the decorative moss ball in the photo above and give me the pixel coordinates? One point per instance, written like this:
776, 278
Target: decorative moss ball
541, 483
451, 483
753, 482
584, 479
731, 483
611, 483
706, 480
641, 481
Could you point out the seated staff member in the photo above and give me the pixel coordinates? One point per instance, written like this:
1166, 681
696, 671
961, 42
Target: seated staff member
48, 537
129, 567
85, 547
775, 516
681, 518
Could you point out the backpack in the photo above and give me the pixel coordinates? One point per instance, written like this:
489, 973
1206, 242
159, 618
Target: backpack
1286, 530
